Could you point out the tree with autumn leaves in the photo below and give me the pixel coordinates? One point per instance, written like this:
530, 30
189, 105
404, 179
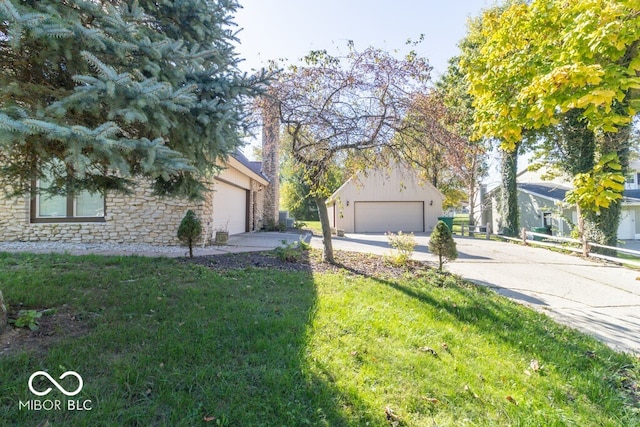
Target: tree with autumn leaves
368, 109
567, 67
344, 108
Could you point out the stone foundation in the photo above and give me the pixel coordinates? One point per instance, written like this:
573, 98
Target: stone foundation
138, 218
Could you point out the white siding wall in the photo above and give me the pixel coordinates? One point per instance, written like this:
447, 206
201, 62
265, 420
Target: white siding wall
395, 185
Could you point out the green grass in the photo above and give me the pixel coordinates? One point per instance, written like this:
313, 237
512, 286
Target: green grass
169, 344
314, 226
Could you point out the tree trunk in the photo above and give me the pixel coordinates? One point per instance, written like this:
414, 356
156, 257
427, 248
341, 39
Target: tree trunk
581, 230
609, 219
473, 192
579, 145
509, 193
323, 213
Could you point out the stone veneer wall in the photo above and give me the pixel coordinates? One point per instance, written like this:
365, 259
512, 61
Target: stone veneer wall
270, 162
256, 209
137, 218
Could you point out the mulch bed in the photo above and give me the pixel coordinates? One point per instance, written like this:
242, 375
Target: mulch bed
311, 261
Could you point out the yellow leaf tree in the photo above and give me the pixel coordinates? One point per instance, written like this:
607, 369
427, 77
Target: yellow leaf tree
543, 60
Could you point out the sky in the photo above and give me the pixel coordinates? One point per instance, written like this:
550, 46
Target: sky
288, 29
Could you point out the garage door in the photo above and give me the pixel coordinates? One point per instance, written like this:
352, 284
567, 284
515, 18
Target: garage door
627, 227
229, 208
389, 216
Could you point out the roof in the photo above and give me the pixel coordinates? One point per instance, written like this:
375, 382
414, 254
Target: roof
255, 167
631, 195
395, 173
551, 191
558, 192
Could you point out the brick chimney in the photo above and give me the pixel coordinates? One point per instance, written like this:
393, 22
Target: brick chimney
270, 162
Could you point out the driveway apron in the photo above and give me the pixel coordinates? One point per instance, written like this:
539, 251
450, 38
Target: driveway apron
599, 299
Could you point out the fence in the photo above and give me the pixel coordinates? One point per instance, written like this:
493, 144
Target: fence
565, 244
472, 230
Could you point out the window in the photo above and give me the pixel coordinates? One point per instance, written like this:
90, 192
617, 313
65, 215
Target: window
546, 220
84, 207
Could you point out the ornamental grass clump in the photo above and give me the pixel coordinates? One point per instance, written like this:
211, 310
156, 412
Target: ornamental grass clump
404, 244
190, 230
442, 244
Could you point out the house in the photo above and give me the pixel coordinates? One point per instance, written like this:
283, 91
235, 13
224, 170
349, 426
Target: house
243, 198
382, 200
541, 204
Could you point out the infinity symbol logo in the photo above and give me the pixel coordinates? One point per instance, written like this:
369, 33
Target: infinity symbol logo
55, 383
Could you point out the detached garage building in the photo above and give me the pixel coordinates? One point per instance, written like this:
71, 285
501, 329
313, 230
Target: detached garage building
385, 200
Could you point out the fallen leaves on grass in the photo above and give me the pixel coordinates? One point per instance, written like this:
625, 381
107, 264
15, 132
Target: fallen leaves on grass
391, 416
428, 350
535, 365
471, 392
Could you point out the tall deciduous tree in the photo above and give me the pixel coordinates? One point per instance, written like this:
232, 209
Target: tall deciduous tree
469, 157
583, 69
432, 148
110, 90
338, 106
491, 88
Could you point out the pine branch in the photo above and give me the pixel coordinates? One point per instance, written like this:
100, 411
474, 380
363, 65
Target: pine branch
104, 71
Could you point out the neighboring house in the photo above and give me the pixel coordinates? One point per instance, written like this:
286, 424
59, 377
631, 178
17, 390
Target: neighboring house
385, 200
541, 204
243, 199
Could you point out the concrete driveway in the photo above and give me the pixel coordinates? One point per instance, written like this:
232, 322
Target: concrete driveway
601, 300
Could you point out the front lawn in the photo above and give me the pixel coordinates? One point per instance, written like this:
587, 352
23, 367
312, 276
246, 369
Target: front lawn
163, 342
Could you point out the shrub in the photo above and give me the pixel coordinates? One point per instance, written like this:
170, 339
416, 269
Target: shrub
271, 225
442, 244
404, 244
190, 230
292, 252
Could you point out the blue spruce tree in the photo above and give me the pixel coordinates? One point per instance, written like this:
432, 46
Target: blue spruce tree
96, 93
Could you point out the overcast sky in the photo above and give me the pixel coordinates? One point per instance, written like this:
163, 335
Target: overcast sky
289, 29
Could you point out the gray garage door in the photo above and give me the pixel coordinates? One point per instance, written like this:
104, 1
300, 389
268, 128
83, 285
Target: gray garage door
381, 217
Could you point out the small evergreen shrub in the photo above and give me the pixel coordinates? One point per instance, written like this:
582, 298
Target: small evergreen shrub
404, 244
442, 244
190, 230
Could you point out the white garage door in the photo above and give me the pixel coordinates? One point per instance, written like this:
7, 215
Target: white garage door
389, 216
229, 208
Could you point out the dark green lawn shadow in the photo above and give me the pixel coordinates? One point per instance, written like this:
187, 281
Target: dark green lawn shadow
173, 344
